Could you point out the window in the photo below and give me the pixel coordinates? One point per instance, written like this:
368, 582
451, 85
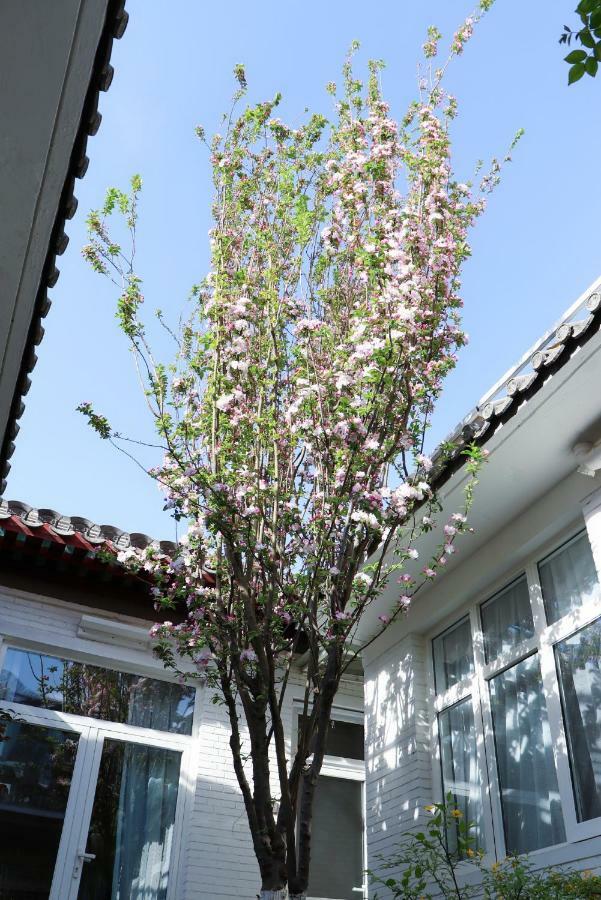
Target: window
517, 680
92, 772
453, 655
527, 779
568, 578
459, 765
506, 619
579, 669
337, 828
74, 687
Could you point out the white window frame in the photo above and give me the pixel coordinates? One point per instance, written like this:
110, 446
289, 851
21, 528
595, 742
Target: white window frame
542, 644
97, 730
341, 767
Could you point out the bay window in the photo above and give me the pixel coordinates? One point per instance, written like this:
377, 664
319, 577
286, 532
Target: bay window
517, 706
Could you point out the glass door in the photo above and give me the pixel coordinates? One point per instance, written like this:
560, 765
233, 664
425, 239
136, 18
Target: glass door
125, 846
41, 770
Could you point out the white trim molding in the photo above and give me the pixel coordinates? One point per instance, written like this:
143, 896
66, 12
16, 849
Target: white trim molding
96, 628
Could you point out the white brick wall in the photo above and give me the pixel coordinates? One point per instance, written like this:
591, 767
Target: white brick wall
398, 759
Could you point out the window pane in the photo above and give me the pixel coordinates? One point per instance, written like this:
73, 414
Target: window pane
131, 830
453, 655
344, 739
84, 690
337, 840
36, 766
507, 619
568, 578
579, 667
460, 776
529, 794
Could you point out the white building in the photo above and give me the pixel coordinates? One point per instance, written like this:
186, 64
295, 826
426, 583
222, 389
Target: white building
491, 686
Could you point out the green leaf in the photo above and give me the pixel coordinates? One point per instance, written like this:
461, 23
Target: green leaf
575, 56
597, 51
591, 66
595, 20
586, 38
576, 73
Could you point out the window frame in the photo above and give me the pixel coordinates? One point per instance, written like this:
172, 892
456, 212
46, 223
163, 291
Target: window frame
476, 686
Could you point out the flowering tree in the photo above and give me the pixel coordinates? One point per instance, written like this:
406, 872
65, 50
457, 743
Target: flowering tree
293, 417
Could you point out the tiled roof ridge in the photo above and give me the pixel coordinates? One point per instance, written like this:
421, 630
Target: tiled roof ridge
67, 526
100, 80
549, 354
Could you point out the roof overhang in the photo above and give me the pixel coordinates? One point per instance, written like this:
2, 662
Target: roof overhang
54, 60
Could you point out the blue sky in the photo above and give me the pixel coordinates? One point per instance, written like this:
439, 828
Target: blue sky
534, 252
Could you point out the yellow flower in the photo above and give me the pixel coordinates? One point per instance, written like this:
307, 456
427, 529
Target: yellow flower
429, 808
470, 852
495, 867
457, 814
587, 873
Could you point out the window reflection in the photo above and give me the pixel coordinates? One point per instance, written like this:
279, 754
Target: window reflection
453, 655
75, 687
578, 662
532, 814
459, 764
568, 578
507, 619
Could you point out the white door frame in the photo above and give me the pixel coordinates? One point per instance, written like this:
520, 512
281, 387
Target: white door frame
78, 812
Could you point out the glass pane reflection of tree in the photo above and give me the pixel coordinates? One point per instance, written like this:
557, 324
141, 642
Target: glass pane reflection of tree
529, 793
85, 690
579, 667
36, 767
459, 765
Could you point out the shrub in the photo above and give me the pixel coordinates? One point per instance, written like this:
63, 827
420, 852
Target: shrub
442, 862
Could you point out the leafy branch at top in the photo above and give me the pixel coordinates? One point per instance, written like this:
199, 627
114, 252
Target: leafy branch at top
585, 60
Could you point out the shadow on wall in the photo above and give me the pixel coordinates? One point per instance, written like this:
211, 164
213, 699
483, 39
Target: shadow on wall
398, 754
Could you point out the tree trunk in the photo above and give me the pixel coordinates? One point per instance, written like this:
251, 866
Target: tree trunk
281, 895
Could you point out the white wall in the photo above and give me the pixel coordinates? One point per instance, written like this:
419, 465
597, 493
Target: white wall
216, 856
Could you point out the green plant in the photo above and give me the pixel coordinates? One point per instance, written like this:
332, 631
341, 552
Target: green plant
442, 862
585, 60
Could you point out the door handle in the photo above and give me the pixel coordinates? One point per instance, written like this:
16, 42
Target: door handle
81, 858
